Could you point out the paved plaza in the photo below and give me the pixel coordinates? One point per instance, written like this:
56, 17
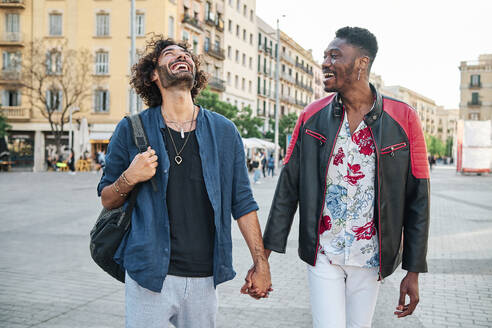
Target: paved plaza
47, 278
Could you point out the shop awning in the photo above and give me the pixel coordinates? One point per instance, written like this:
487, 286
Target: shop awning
99, 137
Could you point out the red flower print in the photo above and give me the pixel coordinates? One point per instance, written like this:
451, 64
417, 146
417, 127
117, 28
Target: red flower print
325, 224
366, 231
353, 174
364, 140
339, 157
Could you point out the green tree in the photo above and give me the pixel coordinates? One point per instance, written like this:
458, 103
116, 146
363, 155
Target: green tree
286, 126
4, 126
248, 126
210, 100
449, 147
435, 146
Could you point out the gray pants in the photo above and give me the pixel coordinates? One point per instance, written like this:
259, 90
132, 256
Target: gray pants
184, 302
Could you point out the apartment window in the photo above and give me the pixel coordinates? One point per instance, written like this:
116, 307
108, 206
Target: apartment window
208, 6
101, 101
475, 97
244, 59
237, 56
53, 62
217, 44
195, 44
11, 61
250, 62
259, 40
54, 100
55, 24
475, 80
229, 52
102, 63
140, 24
250, 86
245, 11
259, 63
11, 98
251, 15
206, 44
238, 5
243, 84
236, 81
171, 27
474, 116
238, 29
251, 38
244, 35
259, 85
230, 26
228, 78
186, 36
12, 27
230, 3
102, 24
264, 86
264, 108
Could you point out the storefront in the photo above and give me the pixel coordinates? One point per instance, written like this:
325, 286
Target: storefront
21, 148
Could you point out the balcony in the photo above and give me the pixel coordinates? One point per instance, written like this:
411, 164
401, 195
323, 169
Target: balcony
12, 4
474, 103
219, 25
11, 39
187, 19
288, 99
217, 84
217, 53
475, 85
301, 103
10, 75
287, 58
16, 113
287, 77
210, 20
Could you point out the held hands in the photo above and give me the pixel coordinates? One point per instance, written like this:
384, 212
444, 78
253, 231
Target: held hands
258, 281
142, 167
409, 286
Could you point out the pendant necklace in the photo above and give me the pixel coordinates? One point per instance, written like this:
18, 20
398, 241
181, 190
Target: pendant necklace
178, 159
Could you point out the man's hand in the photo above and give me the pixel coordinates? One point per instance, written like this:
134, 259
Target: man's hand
143, 167
258, 282
409, 286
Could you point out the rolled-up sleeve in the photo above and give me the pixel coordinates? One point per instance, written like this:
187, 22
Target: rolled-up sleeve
117, 156
242, 196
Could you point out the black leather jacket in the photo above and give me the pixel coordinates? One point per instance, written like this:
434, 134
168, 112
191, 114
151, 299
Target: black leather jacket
401, 183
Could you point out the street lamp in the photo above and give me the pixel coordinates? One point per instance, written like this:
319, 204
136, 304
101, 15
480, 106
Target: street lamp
132, 53
277, 96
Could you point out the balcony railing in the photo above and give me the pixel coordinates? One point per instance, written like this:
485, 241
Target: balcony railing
219, 25
12, 37
288, 99
217, 84
12, 4
16, 112
475, 85
287, 58
287, 77
187, 19
210, 21
10, 75
215, 52
474, 103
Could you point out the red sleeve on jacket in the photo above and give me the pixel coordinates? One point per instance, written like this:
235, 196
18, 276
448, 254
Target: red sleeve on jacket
309, 111
409, 120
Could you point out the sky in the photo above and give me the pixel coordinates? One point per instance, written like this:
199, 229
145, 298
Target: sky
421, 42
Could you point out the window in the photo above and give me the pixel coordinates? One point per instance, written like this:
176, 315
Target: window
186, 36
11, 61
237, 30
244, 59
171, 27
243, 84
195, 44
475, 97
259, 63
55, 24
217, 44
250, 62
139, 25
228, 78
475, 80
102, 63
54, 100
259, 40
251, 38
237, 56
53, 62
251, 15
208, 6
245, 11
230, 26
206, 44
244, 35
236, 79
229, 52
102, 25
12, 27
250, 86
259, 85
474, 116
101, 101
11, 98
238, 5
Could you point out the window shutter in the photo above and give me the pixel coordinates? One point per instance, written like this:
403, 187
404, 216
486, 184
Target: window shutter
60, 99
106, 101
19, 95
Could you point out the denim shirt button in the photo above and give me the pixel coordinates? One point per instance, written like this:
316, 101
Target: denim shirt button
166, 250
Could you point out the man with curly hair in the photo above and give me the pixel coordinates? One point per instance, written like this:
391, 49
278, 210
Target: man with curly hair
357, 167
179, 246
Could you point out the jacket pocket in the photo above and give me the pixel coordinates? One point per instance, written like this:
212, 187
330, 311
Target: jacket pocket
321, 138
391, 149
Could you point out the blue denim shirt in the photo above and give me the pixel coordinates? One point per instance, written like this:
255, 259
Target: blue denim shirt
146, 248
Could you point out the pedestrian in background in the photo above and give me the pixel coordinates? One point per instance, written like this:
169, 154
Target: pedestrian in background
263, 163
256, 168
271, 166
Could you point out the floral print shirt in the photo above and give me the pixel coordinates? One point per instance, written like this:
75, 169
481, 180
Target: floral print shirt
347, 230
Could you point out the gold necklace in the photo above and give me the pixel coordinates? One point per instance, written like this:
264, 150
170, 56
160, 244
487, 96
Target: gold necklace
178, 159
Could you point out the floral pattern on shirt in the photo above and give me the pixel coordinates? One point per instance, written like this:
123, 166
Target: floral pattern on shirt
348, 233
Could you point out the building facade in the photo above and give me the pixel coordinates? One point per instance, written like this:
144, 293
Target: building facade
318, 86
240, 72
102, 28
447, 123
476, 88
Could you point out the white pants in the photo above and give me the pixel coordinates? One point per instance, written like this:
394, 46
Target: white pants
342, 296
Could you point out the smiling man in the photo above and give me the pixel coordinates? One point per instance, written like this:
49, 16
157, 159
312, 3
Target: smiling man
357, 167
179, 246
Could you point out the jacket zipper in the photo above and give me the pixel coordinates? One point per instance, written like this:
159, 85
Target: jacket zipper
379, 206
324, 192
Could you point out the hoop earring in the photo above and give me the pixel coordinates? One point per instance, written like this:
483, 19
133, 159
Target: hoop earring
195, 83
358, 75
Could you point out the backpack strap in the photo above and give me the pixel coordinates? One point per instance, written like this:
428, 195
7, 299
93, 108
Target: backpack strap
140, 139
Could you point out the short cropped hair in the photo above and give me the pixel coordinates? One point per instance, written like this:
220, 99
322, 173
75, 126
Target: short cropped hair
142, 71
360, 38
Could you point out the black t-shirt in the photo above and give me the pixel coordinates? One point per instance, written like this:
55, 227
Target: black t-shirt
191, 216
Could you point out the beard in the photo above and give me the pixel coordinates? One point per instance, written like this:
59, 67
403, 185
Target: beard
346, 76
181, 79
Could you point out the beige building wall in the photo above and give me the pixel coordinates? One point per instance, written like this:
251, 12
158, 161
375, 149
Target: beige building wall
318, 86
240, 70
476, 88
447, 120
266, 67
84, 27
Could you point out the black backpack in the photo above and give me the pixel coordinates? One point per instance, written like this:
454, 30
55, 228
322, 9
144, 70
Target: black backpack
112, 225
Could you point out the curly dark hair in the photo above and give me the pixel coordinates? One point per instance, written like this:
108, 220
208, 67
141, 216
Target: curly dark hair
141, 79
360, 38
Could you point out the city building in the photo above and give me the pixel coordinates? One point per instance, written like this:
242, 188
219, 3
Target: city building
318, 86
240, 69
102, 28
447, 120
476, 88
